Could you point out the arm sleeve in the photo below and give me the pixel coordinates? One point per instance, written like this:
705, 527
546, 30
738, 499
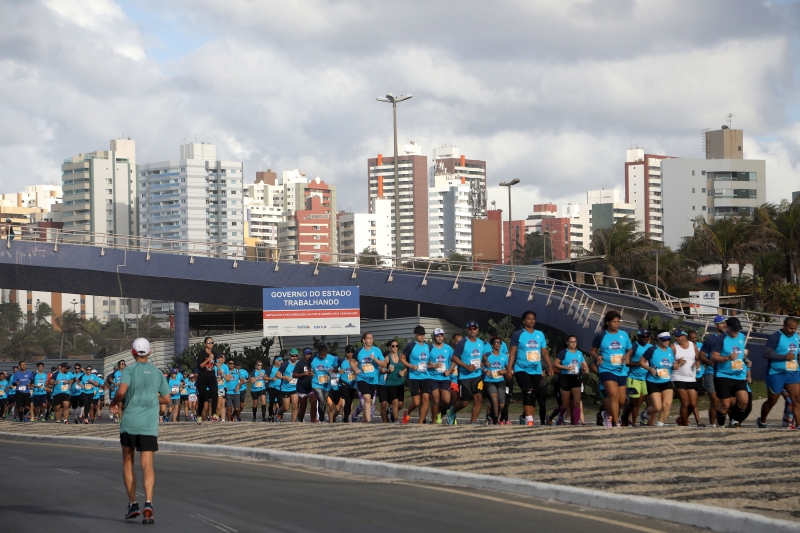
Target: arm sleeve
648, 354
408, 348
514, 341
771, 346
597, 340
459, 349
561, 354
717, 345
283, 366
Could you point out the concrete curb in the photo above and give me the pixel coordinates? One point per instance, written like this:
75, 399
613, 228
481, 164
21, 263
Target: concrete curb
713, 518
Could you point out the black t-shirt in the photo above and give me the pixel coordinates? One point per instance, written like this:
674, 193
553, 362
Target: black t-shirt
303, 383
202, 357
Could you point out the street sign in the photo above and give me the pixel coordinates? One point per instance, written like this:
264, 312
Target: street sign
703, 302
303, 311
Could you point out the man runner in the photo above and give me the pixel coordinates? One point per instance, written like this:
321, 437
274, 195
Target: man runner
141, 391
730, 380
715, 419
62, 384
637, 379
23, 381
439, 369
415, 358
468, 355
39, 393
322, 366
781, 353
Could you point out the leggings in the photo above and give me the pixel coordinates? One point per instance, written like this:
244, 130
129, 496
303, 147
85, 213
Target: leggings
509, 389
322, 403
273, 399
206, 380
86, 403
3, 404
541, 399
348, 395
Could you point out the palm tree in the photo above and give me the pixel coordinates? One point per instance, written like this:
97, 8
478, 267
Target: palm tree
43, 311
533, 247
627, 251
68, 322
783, 225
728, 240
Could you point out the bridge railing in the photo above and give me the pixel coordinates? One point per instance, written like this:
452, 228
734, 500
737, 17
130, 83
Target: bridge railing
587, 301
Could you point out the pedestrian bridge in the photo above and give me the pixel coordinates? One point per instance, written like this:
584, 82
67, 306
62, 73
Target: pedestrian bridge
180, 271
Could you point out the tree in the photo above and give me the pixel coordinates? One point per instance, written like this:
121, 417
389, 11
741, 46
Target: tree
626, 251
369, 257
68, 322
42, 313
250, 355
530, 249
782, 224
10, 316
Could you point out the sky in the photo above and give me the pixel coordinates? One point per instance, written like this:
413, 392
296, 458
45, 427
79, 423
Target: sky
552, 93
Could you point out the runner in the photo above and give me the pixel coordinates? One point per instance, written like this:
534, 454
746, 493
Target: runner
4, 386
321, 367
113, 381
527, 351
99, 397
62, 385
715, 418
468, 355
335, 397
366, 366
233, 383
88, 383
51, 412
22, 380
612, 351
288, 386
572, 364
659, 362
699, 375
415, 358
207, 388
39, 393
244, 377
258, 391
637, 379
395, 381
495, 367
684, 376
347, 381
730, 379
175, 385
783, 375
274, 388
454, 397
191, 396
141, 391
222, 374
162, 409
303, 373
487, 349
440, 366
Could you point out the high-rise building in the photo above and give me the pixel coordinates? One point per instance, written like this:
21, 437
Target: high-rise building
580, 228
365, 231
306, 234
487, 238
711, 188
557, 244
195, 198
450, 165
262, 224
413, 196
41, 196
643, 186
449, 216
99, 191
533, 224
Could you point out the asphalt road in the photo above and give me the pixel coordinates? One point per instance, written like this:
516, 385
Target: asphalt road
61, 488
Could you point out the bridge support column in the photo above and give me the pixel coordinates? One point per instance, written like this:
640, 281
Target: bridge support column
181, 327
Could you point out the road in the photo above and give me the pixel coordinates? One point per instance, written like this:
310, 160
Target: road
80, 489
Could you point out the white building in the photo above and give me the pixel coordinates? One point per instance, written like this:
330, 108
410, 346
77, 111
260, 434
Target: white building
262, 223
449, 217
99, 191
450, 163
579, 227
601, 210
41, 196
643, 189
366, 231
195, 198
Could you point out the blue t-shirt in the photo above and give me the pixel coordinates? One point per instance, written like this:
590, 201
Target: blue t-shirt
22, 381
115, 381
470, 353
347, 376
88, 384
529, 350
636, 371
174, 388
662, 360
571, 359
232, 386
259, 384
783, 344
441, 357
39, 384
275, 383
4, 389
61, 383
726, 346
701, 370
243, 374
417, 356
322, 371
191, 387
496, 366
77, 387
290, 383
366, 364
612, 347
222, 373
98, 390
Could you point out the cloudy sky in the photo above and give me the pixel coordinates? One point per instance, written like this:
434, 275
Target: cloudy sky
551, 92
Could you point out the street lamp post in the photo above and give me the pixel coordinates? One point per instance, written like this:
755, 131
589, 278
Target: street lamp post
510, 235
74, 302
392, 99
549, 233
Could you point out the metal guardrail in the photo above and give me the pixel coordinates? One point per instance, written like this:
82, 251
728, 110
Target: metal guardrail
580, 299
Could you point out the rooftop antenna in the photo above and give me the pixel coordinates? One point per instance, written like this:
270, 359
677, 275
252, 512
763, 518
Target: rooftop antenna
729, 116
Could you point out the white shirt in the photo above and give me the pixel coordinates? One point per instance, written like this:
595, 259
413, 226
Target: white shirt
686, 372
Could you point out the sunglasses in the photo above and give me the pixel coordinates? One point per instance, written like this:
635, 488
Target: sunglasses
394, 346
293, 356
471, 328
209, 343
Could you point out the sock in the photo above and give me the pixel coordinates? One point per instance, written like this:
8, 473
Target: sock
255, 410
562, 410
720, 419
528, 419
263, 411
576, 416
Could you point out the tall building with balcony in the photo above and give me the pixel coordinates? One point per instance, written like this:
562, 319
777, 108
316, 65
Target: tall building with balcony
99, 191
533, 224
450, 215
365, 231
643, 189
194, 198
450, 165
722, 185
413, 196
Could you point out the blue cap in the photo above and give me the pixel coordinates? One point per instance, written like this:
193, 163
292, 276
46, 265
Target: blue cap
472, 324
680, 332
307, 351
643, 332
718, 319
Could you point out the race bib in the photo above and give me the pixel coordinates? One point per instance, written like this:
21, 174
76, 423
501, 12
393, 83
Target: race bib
574, 368
65, 388
78, 386
322, 379
193, 397
791, 366
220, 392
22, 388
335, 381
184, 392
175, 390
367, 367
616, 359
737, 364
475, 362
422, 367
293, 381
663, 373
533, 356
88, 386
440, 368
259, 384
495, 374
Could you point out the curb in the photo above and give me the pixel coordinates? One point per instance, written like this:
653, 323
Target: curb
713, 518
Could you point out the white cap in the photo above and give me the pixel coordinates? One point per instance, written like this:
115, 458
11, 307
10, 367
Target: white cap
140, 347
664, 335
438, 331
94, 371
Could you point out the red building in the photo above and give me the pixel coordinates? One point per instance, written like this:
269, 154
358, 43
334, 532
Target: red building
557, 241
512, 239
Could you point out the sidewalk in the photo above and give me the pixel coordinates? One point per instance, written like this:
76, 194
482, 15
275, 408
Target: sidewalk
747, 470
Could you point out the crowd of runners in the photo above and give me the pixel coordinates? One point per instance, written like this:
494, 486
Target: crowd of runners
637, 380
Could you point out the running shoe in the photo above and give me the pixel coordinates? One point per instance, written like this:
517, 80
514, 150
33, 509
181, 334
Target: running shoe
549, 420
215, 418
133, 510
659, 424
734, 424
560, 420
439, 418
76, 421
521, 420
86, 421
599, 419
643, 418
529, 423
606, 420
759, 423
406, 418
451, 417
148, 513
99, 417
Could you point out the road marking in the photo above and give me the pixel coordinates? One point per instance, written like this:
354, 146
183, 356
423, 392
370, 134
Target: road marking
538, 508
125, 491
67, 471
218, 525
17, 458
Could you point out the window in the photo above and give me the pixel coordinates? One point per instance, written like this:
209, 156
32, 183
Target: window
692, 189
704, 208
692, 172
740, 148
692, 208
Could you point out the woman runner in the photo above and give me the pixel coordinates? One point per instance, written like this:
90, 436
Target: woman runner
572, 364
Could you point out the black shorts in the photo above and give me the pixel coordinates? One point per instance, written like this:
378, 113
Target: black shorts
467, 388
39, 400
528, 381
184, 397
335, 395
286, 394
435, 384
23, 400
74, 402
365, 388
142, 443
254, 394
687, 385
727, 387
659, 387
58, 399
380, 392
242, 395
419, 386
568, 382
395, 392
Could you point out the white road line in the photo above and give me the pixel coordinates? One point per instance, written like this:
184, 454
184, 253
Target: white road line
218, 525
125, 491
67, 471
17, 458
